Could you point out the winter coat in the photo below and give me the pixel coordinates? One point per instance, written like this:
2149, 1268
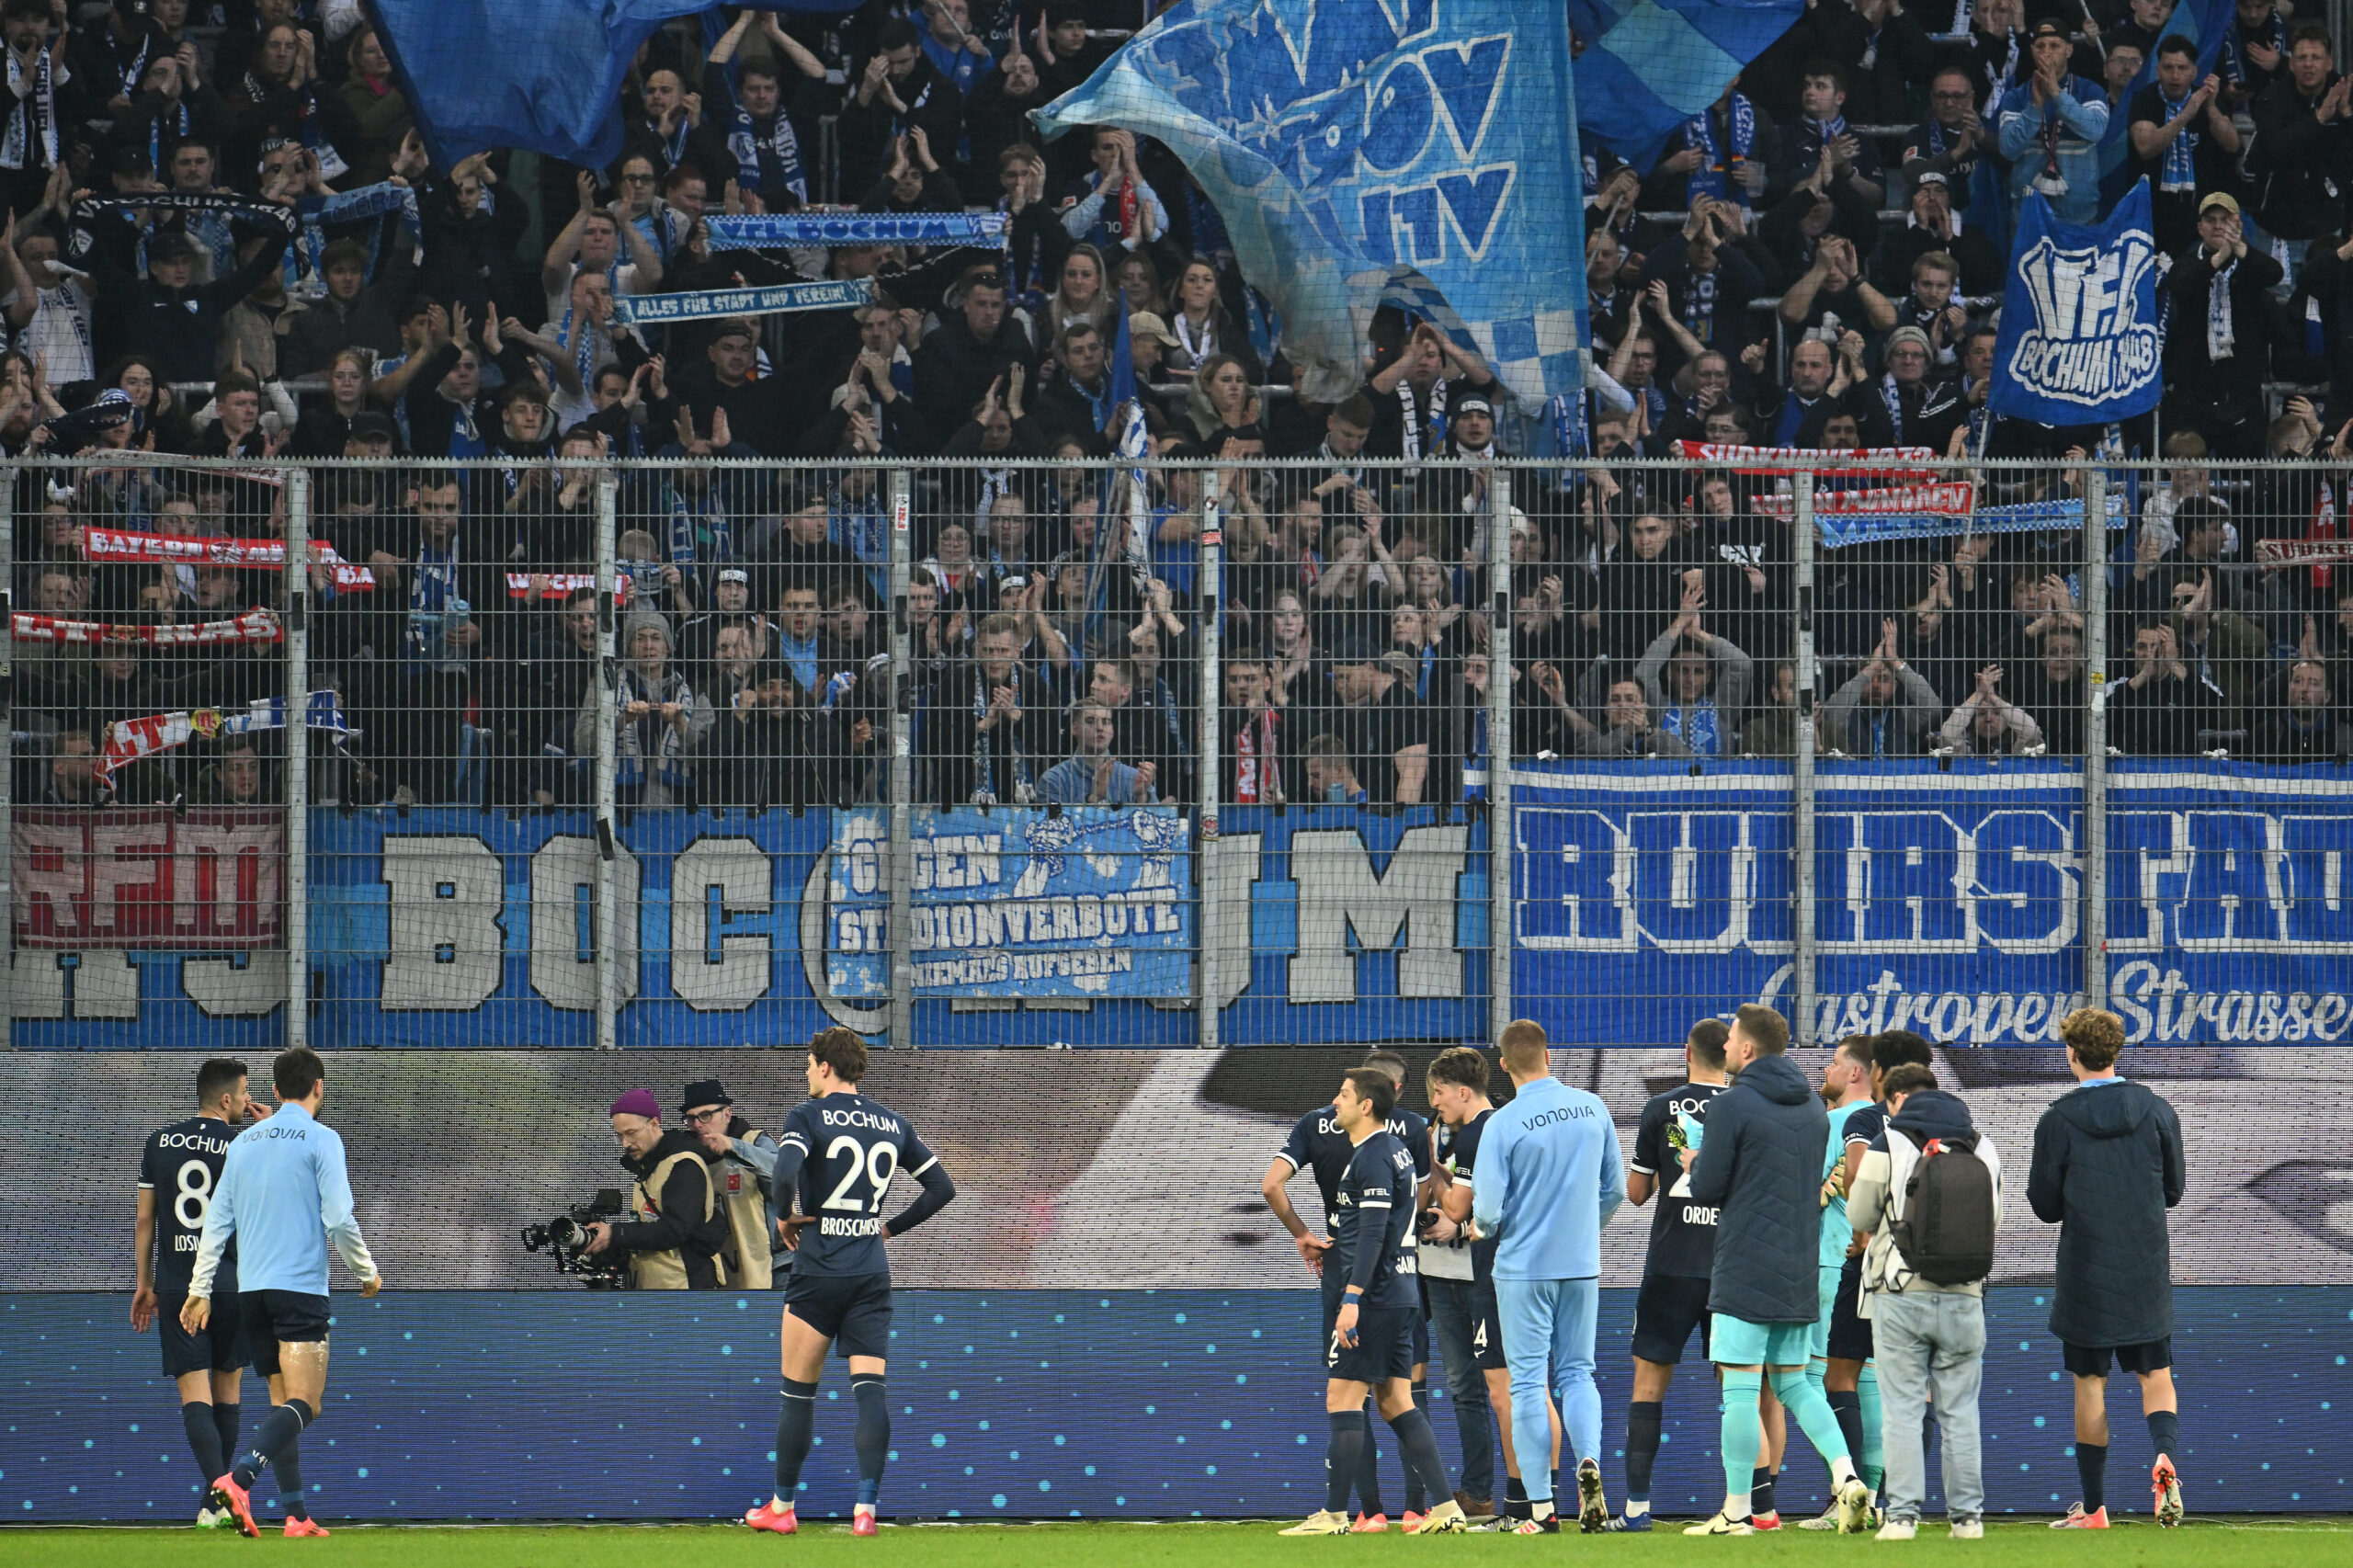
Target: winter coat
1761, 1164
2108, 1164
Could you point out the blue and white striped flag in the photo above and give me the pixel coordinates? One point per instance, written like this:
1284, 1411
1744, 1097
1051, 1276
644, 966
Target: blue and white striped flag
1416, 152
1646, 67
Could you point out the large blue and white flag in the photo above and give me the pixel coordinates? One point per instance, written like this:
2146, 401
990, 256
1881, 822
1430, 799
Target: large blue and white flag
1421, 153
540, 74
1644, 67
2079, 342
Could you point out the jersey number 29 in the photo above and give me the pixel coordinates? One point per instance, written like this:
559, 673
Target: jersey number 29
876, 1166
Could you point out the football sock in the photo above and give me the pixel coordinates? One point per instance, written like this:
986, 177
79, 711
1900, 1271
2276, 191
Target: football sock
204, 1439
1418, 1444
1812, 1411
1368, 1466
287, 1466
1739, 1438
1644, 1417
1346, 1446
796, 1422
1871, 1457
873, 1434
1515, 1498
2091, 1465
1846, 1407
2165, 1431
277, 1433
224, 1422
1763, 1487
1416, 1501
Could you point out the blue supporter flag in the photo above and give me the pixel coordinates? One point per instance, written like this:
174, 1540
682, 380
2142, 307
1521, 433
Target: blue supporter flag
1646, 67
1416, 153
538, 74
2079, 342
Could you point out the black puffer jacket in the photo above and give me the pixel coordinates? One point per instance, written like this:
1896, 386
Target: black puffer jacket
1761, 1161
2108, 1164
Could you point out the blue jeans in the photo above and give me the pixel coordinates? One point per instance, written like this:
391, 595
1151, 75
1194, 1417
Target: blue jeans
1930, 1339
1452, 1318
1548, 1342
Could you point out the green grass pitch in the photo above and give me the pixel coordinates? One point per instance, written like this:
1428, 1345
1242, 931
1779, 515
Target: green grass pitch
2214, 1542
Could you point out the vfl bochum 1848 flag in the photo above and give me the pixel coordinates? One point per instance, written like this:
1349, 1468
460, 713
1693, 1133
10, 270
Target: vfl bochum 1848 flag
1421, 153
2079, 342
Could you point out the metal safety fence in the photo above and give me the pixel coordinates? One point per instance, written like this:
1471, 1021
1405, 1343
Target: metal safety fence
560, 752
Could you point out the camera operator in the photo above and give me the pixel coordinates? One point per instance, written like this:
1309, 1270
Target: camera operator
756, 1254
676, 1231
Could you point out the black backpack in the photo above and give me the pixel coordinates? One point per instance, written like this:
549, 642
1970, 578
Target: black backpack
1947, 1232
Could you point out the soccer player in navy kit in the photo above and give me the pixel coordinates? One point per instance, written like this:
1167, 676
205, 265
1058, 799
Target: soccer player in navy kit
1371, 1348
835, 1159
1673, 1300
1317, 1144
178, 1170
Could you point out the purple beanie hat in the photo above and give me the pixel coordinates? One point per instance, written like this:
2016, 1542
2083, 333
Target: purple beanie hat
639, 1102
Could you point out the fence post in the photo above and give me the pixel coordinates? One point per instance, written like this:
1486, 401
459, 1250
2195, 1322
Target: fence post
8, 759
901, 865
1502, 835
1207, 977
609, 947
1801, 781
297, 612
2094, 891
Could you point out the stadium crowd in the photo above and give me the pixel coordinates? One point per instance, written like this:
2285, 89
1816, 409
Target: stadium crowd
227, 240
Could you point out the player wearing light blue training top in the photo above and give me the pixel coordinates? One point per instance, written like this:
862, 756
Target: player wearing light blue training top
1549, 1178
283, 1195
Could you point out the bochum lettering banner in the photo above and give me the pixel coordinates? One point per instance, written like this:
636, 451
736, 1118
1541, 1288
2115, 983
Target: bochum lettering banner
2079, 341
1947, 901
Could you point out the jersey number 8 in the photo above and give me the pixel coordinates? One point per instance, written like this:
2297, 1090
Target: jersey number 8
876, 1167
195, 1195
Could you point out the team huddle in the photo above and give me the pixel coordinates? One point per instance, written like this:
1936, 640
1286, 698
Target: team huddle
1829, 1245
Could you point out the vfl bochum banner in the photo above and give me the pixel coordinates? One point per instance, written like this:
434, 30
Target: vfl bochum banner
1089, 901
1420, 152
2079, 342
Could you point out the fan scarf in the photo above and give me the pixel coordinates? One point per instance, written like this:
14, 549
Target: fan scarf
129, 739
259, 554
253, 626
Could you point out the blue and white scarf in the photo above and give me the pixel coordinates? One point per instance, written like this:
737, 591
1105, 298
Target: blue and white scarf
701, 533
1700, 305
812, 230
2180, 171
1713, 177
1697, 727
655, 310
755, 149
983, 747
2233, 64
